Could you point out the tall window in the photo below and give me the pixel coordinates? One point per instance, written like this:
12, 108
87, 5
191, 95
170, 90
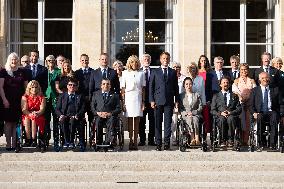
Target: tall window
141, 26
244, 28
45, 25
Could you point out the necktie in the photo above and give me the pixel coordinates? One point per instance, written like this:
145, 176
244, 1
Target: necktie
105, 96
165, 74
266, 70
85, 71
265, 100
147, 75
71, 97
34, 71
225, 98
104, 74
235, 74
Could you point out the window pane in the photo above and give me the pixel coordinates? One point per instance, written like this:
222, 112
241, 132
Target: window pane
122, 52
22, 50
55, 49
125, 31
122, 9
260, 9
226, 31
226, 9
23, 8
155, 51
254, 53
156, 9
158, 32
260, 32
225, 51
24, 31
58, 9
58, 31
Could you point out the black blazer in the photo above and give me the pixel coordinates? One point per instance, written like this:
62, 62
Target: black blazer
61, 107
274, 76
256, 99
231, 75
218, 104
41, 76
163, 92
281, 92
84, 80
96, 79
111, 104
147, 85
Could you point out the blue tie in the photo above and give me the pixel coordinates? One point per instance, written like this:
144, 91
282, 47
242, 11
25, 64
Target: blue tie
265, 101
225, 98
104, 74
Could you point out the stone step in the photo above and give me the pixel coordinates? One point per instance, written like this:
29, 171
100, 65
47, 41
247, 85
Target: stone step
157, 185
141, 165
195, 155
142, 176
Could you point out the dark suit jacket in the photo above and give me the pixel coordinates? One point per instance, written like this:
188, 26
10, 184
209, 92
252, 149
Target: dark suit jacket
61, 107
41, 76
218, 104
84, 80
163, 92
111, 104
212, 85
231, 75
256, 99
147, 85
274, 76
96, 79
281, 92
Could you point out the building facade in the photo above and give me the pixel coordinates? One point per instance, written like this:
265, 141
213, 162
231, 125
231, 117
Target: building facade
185, 28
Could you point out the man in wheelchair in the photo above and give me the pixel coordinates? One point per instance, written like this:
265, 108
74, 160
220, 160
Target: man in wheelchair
105, 106
226, 108
71, 110
264, 108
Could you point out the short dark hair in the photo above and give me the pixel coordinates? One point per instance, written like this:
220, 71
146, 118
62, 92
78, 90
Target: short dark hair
84, 55
166, 53
186, 79
35, 51
224, 77
72, 80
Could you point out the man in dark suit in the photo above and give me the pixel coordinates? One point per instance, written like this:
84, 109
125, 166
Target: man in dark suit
71, 109
83, 75
265, 67
104, 72
214, 77
264, 107
105, 106
163, 96
36, 71
234, 72
226, 108
146, 61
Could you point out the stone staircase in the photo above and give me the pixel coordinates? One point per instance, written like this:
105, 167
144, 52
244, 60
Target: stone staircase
145, 168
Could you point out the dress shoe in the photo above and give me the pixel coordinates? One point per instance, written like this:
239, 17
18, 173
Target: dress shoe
141, 144
159, 148
66, 145
167, 147
71, 145
34, 144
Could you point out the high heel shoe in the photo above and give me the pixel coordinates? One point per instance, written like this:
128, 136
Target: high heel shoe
130, 145
135, 147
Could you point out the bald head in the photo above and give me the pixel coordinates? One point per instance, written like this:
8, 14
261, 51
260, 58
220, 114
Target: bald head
264, 79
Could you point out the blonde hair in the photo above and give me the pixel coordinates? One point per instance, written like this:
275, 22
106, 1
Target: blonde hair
71, 73
193, 64
234, 57
31, 84
131, 59
116, 63
275, 60
9, 61
49, 57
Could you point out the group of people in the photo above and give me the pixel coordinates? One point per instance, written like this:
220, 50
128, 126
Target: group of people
31, 93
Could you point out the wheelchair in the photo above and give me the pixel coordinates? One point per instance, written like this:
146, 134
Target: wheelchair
42, 141
117, 138
77, 143
254, 137
183, 135
216, 138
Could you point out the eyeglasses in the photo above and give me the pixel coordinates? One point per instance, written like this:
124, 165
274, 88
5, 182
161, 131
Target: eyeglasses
72, 85
105, 83
24, 61
176, 66
50, 60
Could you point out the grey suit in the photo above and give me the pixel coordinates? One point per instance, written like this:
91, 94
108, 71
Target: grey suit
195, 107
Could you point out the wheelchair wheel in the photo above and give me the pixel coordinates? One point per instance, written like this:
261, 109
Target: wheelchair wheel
182, 148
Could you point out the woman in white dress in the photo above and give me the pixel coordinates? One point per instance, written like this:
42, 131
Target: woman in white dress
132, 89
